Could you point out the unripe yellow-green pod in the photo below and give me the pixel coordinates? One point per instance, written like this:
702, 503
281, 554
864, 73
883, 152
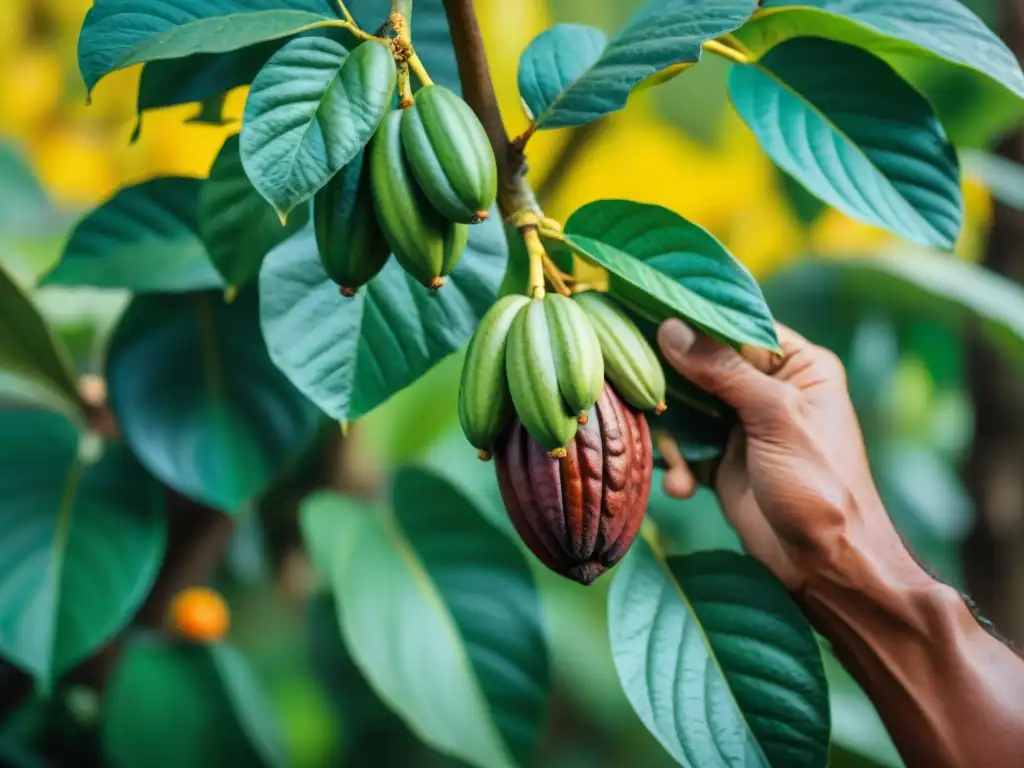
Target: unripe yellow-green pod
485, 402
427, 245
533, 381
579, 363
450, 154
630, 364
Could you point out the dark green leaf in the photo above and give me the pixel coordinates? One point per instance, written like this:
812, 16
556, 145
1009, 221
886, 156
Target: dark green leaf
211, 111
855, 134
179, 705
33, 359
199, 401
664, 266
718, 661
568, 76
81, 544
440, 612
145, 239
311, 109
119, 33
348, 355
238, 226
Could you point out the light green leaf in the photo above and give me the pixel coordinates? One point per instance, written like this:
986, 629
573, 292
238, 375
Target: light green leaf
199, 400
238, 226
348, 355
1004, 178
33, 357
81, 545
567, 75
311, 109
718, 661
664, 266
845, 125
181, 705
119, 33
145, 238
440, 612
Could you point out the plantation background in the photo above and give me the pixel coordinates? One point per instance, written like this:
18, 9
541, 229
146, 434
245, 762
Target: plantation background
681, 146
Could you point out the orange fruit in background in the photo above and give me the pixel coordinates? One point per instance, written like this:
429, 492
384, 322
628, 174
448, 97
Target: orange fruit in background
199, 614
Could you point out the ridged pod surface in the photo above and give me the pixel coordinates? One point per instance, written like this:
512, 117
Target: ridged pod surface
485, 403
533, 380
630, 363
352, 246
427, 245
450, 154
579, 515
579, 363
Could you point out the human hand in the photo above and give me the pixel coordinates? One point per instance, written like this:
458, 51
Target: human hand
794, 480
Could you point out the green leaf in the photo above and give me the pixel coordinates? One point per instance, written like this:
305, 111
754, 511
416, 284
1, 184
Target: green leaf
567, 76
718, 661
181, 705
857, 135
119, 33
921, 285
238, 226
440, 612
145, 238
32, 356
199, 400
81, 545
900, 32
311, 109
349, 355
1004, 178
664, 266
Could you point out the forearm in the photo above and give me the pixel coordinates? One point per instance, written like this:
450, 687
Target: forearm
949, 693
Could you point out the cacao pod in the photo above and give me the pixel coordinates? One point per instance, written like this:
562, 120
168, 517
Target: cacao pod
351, 245
630, 362
579, 364
580, 514
427, 245
533, 380
485, 403
450, 154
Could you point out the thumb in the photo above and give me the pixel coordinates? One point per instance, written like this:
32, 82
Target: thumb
719, 369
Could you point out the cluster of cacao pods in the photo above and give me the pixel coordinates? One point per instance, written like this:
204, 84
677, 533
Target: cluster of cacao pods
555, 388
427, 174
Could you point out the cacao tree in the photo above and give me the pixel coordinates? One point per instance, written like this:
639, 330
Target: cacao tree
372, 221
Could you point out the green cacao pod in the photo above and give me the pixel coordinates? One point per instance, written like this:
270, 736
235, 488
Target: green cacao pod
533, 380
351, 245
450, 154
485, 403
426, 244
578, 360
630, 363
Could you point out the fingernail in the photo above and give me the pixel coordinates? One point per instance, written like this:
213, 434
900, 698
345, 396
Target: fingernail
675, 337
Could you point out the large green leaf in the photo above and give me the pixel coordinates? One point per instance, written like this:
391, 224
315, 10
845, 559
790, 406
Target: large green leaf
311, 109
119, 33
440, 612
718, 661
1003, 177
33, 359
568, 76
854, 133
81, 544
179, 705
664, 266
145, 238
199, 400
348, 355
238, 226
899, 32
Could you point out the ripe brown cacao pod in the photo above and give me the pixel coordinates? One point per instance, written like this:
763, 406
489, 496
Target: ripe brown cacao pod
580, 514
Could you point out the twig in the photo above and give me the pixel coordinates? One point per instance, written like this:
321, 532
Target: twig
555, 276
726, 51
343, 9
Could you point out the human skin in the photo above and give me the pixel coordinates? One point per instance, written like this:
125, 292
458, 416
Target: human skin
795, 484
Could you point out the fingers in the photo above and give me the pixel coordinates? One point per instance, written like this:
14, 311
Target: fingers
717, 368
678, 481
